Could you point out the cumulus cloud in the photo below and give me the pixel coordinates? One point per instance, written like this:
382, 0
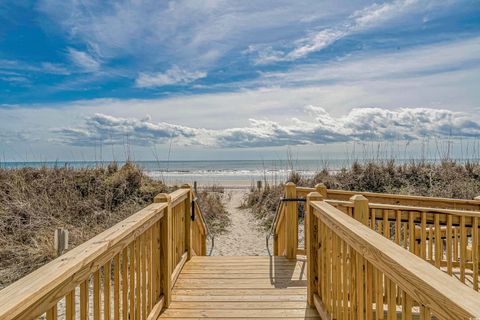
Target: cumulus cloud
360, 124
106, 129
175, 75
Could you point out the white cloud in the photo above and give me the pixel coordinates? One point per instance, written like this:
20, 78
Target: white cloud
360, 124
415, 62
106, 129
206, 31
175, 75
366, 18
83, 60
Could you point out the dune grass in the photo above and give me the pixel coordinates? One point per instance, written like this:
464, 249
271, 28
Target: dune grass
34, 202
448, 179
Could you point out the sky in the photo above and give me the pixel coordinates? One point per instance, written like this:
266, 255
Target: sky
220, 79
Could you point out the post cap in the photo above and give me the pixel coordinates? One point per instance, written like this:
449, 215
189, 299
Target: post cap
358, 197
314, 196
162, 197
290, 184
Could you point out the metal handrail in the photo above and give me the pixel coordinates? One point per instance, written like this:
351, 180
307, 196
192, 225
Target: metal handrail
207, 230
275, 218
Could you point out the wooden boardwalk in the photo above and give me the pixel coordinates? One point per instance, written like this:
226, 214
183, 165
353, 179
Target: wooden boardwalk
241, 287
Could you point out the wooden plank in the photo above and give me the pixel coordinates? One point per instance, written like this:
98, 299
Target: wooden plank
321, 308
144, 275
345, 278
423, 226
131, 269
449, 244
116, 287
231, 305
179, 268
241, 313
124, 283
437, 241
463, 248
166, 254
138, 300
156, 310
238, 283
107, 272
84, 314
291, 222
148, 243
70, 306
272, 291
96, 295
52, 313
252, 298
475, 258
423, 282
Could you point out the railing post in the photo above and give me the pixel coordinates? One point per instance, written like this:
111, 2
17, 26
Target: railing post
311, 233
322, 189
360, 213
291, 221
188, 221
166, 252
360, 208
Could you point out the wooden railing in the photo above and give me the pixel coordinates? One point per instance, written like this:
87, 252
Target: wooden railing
127, 271
353, 273
448, 238
397, 199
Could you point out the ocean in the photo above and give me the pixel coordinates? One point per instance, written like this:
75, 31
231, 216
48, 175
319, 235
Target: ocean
225, 172
234, 172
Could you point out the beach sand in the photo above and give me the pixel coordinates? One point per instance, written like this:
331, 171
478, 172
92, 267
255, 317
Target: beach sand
244, 237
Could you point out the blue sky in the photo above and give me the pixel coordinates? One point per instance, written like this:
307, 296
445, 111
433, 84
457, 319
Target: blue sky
233, 79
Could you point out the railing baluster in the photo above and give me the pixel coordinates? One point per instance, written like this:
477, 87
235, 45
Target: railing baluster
125, 283
137, 279
96, 295
437, 230
131, 267
84, 300
107, 273
463, 248
70, 305
475, 248
449, 244
423, 232
116, 287
144, 276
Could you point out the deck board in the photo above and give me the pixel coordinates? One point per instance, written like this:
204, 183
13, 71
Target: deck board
239, 288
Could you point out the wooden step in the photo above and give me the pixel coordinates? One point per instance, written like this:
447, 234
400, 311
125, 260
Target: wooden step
257, 287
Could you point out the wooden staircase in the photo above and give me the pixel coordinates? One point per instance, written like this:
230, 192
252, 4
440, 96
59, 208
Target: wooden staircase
241, 287
395, 257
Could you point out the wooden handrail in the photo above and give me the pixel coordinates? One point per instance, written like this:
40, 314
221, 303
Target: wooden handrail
383, 206
444, 296
400, 199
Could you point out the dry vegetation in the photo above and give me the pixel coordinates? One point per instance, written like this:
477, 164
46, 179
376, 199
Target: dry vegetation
35, 202
445, 179
211, 200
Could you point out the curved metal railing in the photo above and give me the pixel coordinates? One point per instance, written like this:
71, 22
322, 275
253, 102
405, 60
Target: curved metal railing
208, 234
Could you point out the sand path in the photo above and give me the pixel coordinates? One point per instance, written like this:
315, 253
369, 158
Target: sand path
243, 237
